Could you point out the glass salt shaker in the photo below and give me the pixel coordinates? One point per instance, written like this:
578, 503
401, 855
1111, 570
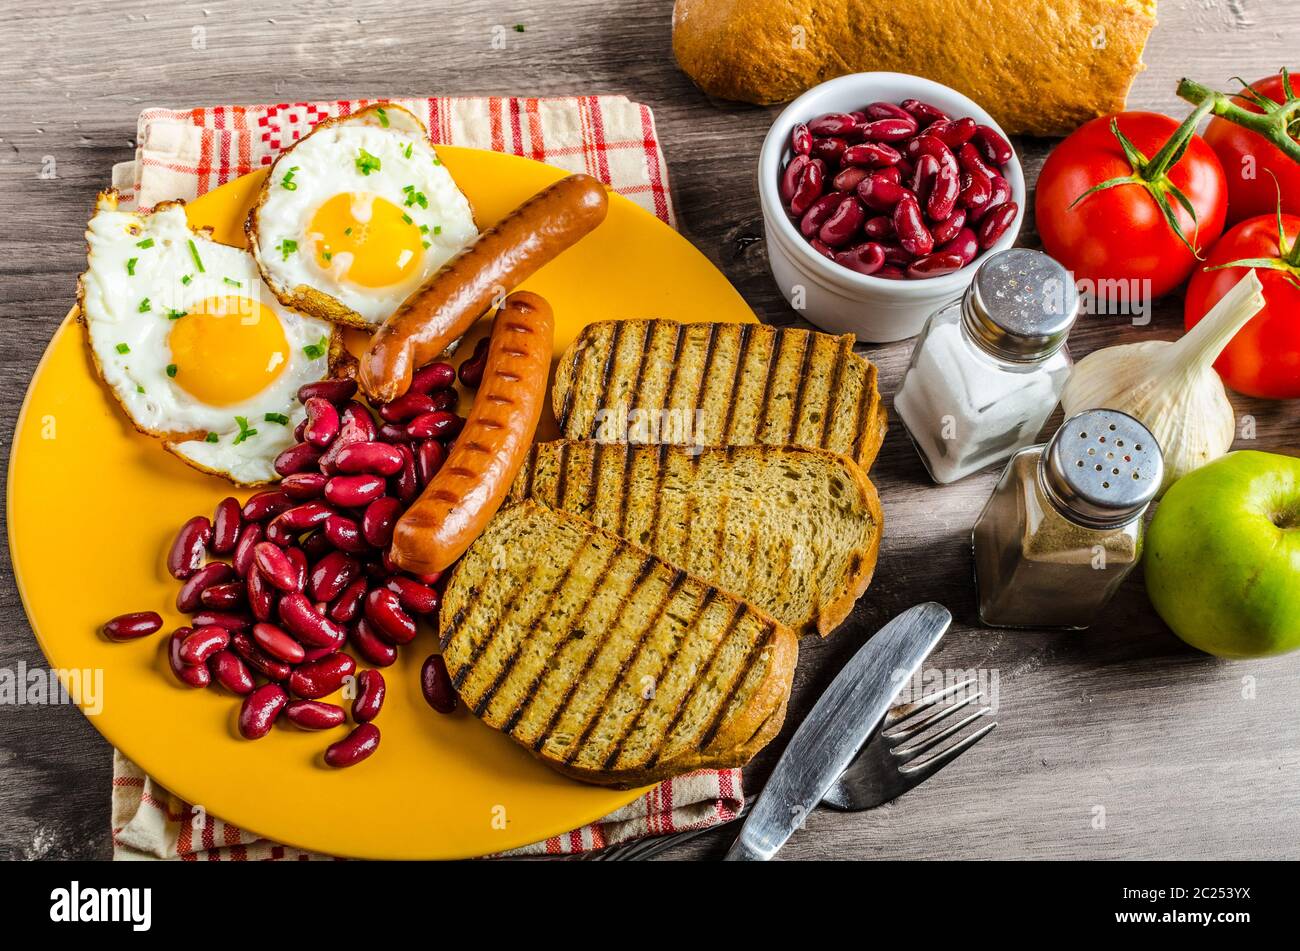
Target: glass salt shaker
1064, 525
987, 370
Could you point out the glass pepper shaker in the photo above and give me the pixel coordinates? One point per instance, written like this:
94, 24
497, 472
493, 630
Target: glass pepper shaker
987, 370
1064, 525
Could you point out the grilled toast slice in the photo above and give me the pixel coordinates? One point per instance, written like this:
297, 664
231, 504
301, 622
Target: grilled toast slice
793, 531
718, 384
611, 665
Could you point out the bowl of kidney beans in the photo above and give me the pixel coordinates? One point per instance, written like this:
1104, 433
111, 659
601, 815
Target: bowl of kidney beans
283, 595
880, 192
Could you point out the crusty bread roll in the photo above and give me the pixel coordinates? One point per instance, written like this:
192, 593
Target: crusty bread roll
1040, 67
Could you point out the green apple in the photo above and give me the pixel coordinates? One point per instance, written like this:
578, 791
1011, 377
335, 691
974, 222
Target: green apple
1223, 556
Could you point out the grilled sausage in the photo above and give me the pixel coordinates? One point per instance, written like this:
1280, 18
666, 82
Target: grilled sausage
472, 282
466, 492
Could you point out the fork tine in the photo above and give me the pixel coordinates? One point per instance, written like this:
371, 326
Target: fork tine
905, 752
915, 724
914, 775
895, 720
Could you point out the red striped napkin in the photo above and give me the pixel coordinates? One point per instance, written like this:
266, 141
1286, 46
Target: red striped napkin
184, 153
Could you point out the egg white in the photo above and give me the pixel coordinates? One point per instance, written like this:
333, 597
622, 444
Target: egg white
142, 270
324, 164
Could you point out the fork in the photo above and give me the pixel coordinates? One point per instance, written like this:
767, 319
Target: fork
889, 765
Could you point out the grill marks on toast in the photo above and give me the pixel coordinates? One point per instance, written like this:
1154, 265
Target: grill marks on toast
609, 663
737, 384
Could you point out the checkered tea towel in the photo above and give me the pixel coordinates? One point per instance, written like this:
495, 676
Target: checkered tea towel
184, 153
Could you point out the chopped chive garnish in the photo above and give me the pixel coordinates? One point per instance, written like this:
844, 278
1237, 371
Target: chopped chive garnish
427, 244
244, 431
130, 266
407, 153
424, 229
171, 369
145, 306
383, 117
211, 437
367, 163
519, 28
347, 231
277, 418
139, 388
287, 183
437, 229
287, 246
408, 219
315, 351
232, 282
175, 314
327, 255
187, 278
146, 243
436, 160
194, 253
123, 348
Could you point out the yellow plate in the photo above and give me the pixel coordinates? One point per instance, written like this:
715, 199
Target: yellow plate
93, 507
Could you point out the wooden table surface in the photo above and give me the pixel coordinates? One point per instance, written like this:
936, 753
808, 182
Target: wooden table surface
1117, 742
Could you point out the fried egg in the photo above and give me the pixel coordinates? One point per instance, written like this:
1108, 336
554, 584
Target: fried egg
194, 346
357, 215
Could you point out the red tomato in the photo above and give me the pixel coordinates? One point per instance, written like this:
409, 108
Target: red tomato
1264, 358
1120, 233
1247, 158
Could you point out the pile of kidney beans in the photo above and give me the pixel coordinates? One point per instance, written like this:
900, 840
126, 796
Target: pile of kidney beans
898, 191
276, 588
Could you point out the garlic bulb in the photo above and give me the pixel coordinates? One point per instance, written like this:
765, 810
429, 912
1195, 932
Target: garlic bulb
1171, 387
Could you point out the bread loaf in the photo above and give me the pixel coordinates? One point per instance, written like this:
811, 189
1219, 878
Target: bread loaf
1040, 67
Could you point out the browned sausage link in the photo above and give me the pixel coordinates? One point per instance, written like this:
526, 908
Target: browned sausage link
470, 284
469, 488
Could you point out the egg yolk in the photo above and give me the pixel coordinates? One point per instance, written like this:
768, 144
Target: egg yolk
227, 349
366, 239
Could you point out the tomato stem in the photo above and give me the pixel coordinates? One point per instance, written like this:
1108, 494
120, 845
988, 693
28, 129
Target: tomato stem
1274, 123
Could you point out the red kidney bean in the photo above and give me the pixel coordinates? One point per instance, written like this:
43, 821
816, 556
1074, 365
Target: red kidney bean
231, 621
315, 714
187, 551
223, 597
348, 604
822, 248
942, 196
893, 173
252, 655
260, 709
935, 264
794, 169
952, 132
262, 596
372, 648
371, 690
331, 575
923, 112
127, 627
190, 596
276, 642
886, 110
374, 458
315, 546
881, 226
300, 457
435, 684
302, 486
891, 272
971, 161
820, 210
226, 522
358, 745
846, 180
378, 520
429, 457
843, 223
265, 505
319, 678
809, 187
993, 147
945, 230
829, 149
894, 129
231, 672
927, 168
995, 223
895, 255
405, 484
865, 258
316, 653
871, 155
414, 597
878, 192
912, 233
975, 193
965, 243
188, 674
833, 123
358, 427
433, 376
204, 643
471, 369
297, 520
345, 534
905, 168
300, 616
322, 422
354, 491
800, 139
406, 407
300, 430
276, 566
431, 579
384, 610
999, 193
390, 433
337, 392
242, 559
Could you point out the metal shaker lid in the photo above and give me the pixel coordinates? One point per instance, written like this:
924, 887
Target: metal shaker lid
1021, 305
1103, 467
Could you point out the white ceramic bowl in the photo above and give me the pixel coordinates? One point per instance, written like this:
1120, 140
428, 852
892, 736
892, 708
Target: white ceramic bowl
835, 298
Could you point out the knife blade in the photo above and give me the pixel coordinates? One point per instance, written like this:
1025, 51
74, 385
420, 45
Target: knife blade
841, 721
